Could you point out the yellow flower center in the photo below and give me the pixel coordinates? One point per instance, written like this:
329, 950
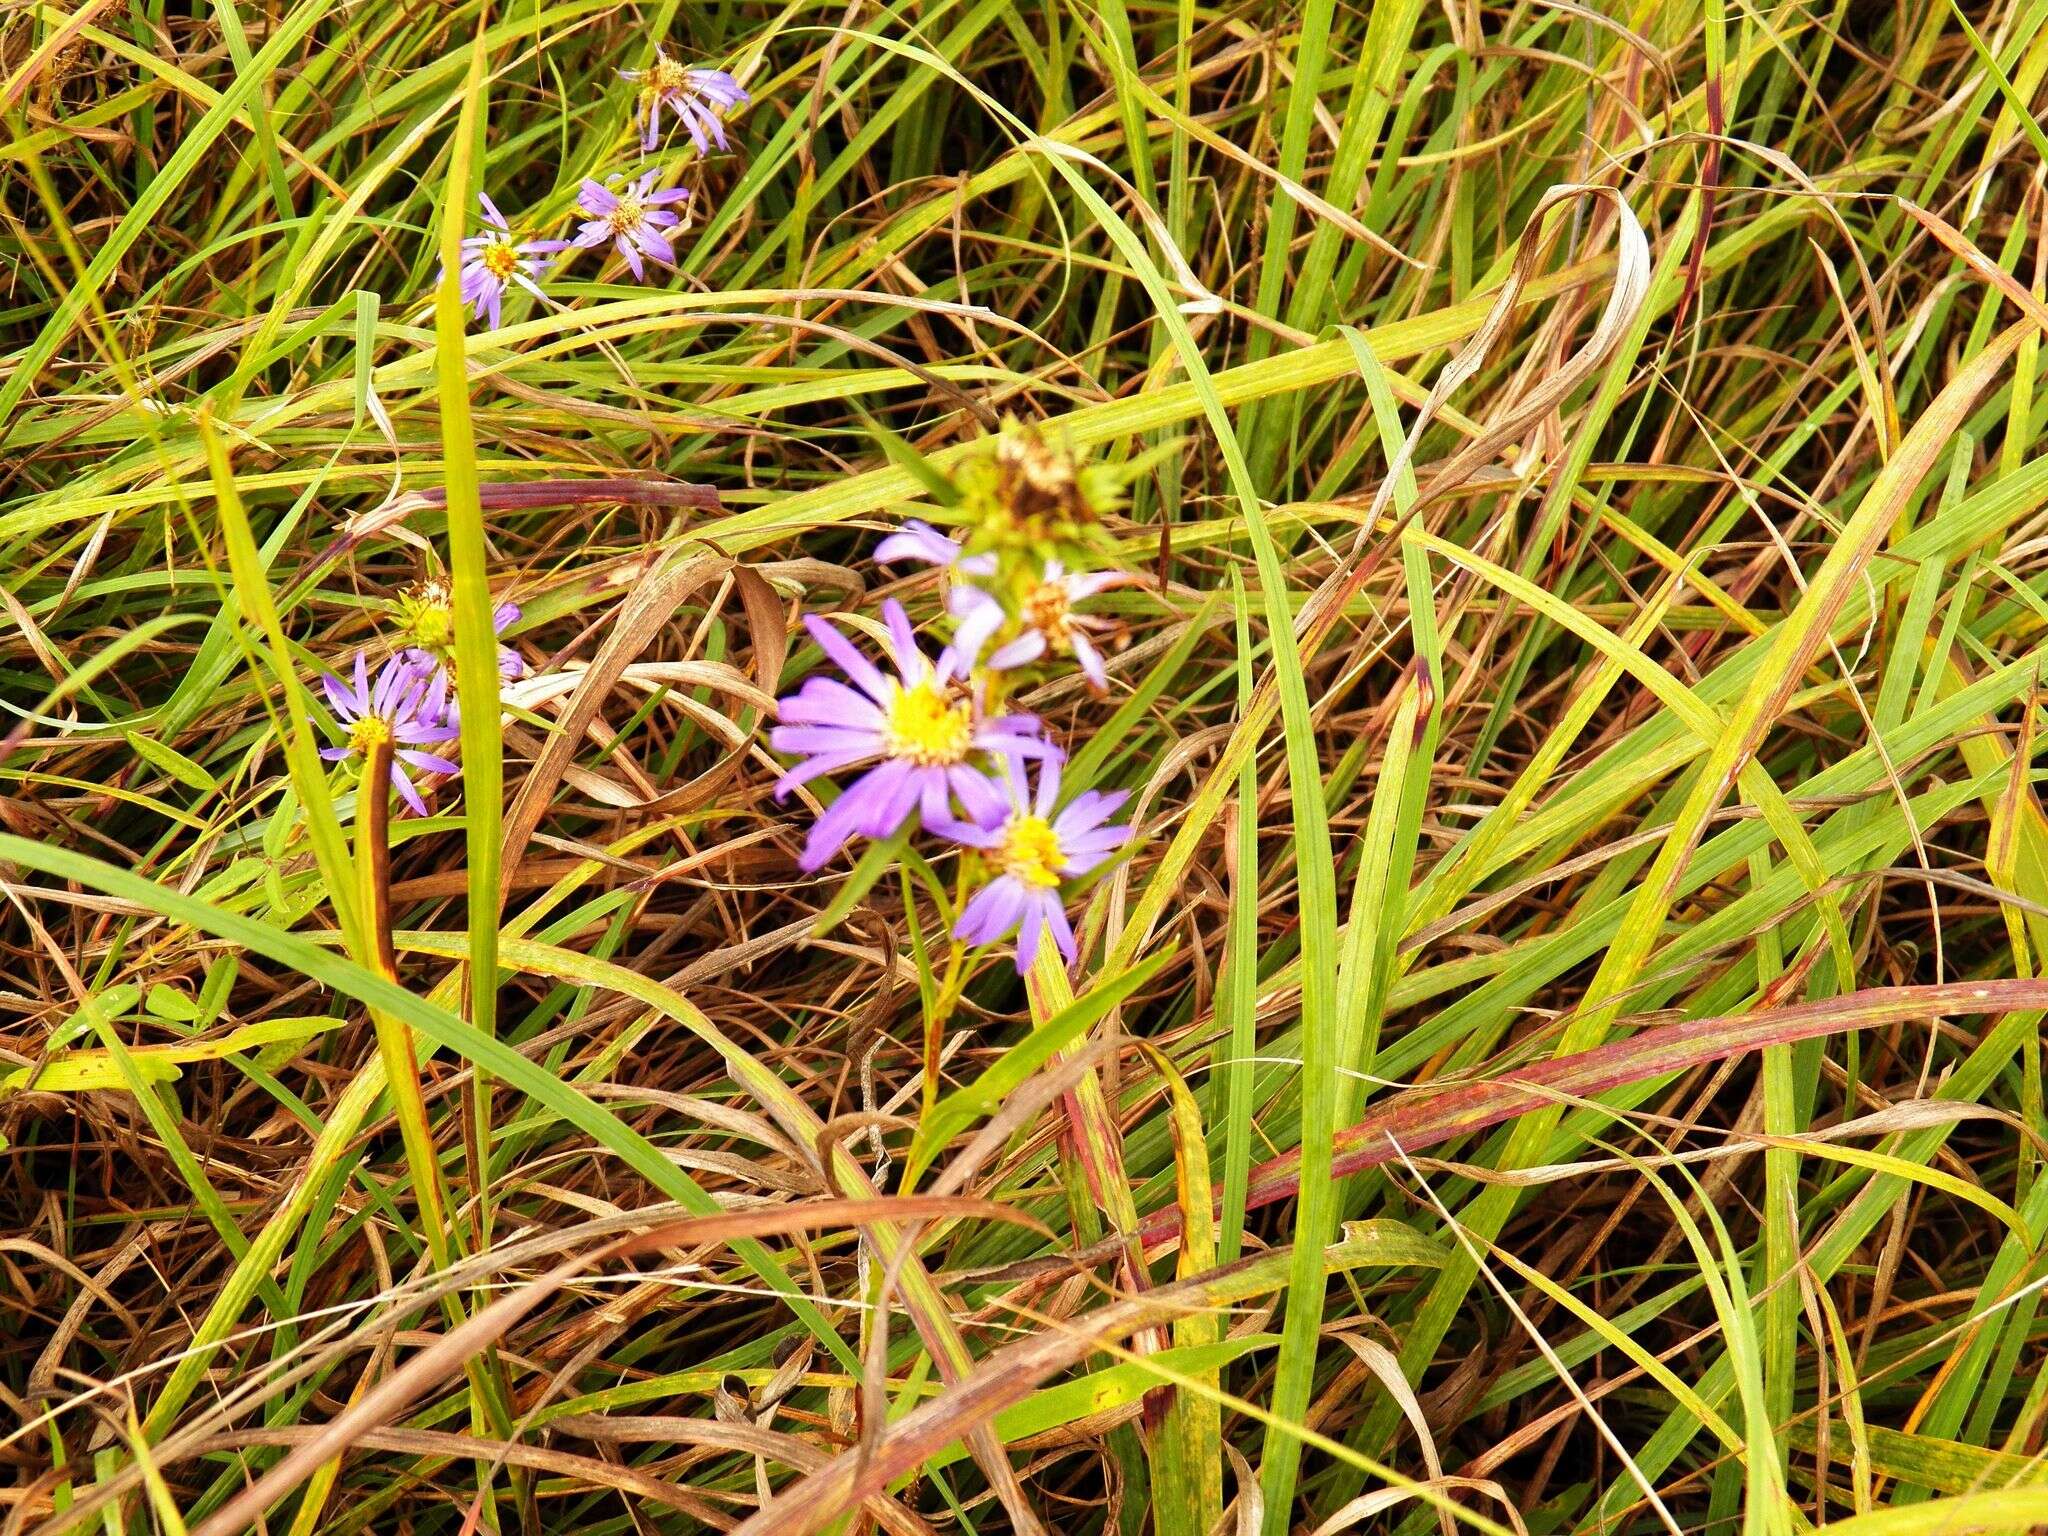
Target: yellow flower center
666, 76
501, 257
928, 728
1047, 610
628, 216
427, 614
370, 731
1031, 852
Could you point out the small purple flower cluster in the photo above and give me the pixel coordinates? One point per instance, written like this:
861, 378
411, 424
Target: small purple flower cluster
410, 703
632, 215
932, 741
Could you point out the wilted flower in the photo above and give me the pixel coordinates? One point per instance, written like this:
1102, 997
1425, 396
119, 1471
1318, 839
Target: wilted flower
698, 97
1028, 501
426, 617
1034, 848
494, 258
633, 216
389, 712
1048, 622
922, 730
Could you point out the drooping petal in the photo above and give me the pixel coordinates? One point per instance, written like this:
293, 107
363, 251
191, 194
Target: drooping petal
1092, 666
339, 699
818, 766
1030, 928
1027, 647
972, 833
429, 762
406, 791
979, 616
491, 212
888, 816
991, 911
830, 831
1055, 917
982, 801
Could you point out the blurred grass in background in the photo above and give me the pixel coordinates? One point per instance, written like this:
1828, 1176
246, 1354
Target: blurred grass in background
1589, 649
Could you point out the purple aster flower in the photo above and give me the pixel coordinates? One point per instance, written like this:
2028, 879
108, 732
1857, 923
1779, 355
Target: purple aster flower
389, 711
426, 613
633, 216
493, 259
1035, 848
921, 730
1050, 622
919, 540
698, 97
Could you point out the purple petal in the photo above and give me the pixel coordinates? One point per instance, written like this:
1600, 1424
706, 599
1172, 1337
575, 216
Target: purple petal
1055, 916
823, 763
657, 248
883, 807
827, 701
1092, 666
991, 912
982, 801
907, 797
594, 197
429, 762
632, 254
1030, 928
966, 833
406, 792
801, 740
337, 754
980, 617
917, 540
338, 697
491, 212
849, 660
910, 660
1027, 647
1048, 787
831, 830
693, 118
1088, 811
1014, 733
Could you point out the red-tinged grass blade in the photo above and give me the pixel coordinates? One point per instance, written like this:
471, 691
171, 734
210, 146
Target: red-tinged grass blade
1428, 1117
